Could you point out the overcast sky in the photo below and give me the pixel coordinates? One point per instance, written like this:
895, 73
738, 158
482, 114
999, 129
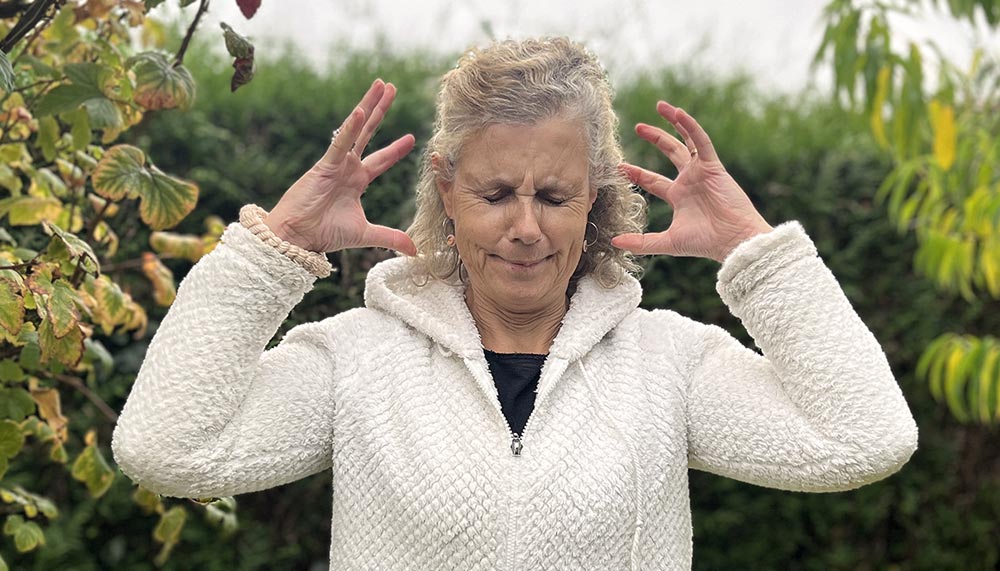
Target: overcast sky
773, 39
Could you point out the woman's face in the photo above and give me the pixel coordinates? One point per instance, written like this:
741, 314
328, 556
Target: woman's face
519, 201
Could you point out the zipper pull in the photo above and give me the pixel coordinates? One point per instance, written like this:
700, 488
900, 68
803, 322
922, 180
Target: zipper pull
515, 445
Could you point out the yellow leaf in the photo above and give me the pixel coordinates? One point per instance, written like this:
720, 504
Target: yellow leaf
148, 501
161, 277
177, 245
881, 93
91, 469
29, 210
942, 118
50, 409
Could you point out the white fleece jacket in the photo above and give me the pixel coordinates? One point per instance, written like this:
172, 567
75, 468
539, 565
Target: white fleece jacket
397, 400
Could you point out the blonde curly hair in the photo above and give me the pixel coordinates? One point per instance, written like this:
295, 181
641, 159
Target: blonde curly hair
524, 82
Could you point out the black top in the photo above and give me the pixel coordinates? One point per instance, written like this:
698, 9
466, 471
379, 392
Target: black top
516, 377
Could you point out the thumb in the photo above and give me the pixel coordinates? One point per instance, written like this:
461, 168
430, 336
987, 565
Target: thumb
385, 237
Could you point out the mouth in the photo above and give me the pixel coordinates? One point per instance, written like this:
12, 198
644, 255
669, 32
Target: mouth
522, 265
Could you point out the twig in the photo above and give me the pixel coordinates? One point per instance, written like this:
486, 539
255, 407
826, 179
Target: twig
129, 264
202, 8
79, 385
27, 264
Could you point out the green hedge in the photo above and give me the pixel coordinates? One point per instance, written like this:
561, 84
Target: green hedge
798, 158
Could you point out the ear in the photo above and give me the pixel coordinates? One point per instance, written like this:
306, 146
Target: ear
443, 186
593, 198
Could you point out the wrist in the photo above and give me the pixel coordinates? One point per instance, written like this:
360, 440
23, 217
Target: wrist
761, 228
279, 227
253, 218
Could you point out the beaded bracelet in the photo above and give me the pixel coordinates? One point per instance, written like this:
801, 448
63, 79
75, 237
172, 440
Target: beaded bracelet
252, 217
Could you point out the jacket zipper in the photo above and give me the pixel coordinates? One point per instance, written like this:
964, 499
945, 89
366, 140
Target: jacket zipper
516, 447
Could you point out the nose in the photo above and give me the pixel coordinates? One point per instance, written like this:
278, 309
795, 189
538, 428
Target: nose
523, 226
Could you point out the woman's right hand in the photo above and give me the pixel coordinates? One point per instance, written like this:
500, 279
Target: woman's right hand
322, 211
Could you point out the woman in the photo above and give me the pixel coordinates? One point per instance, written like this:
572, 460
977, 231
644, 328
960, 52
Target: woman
444, 453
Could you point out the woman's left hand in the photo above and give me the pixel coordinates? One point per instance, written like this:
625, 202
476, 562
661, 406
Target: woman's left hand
712, 214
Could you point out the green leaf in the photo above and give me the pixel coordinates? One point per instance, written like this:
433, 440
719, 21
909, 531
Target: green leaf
150, 4
167, 201
103, 113
222, 513
91, 469
30, 356
80, 129
89, 74
74, 247
121, 172
10, 371
10, 180
168, 531
48, 135
112, 306
66, 98
148, 501
63, 307
236, 45
67, 349
28, 210
27, 534
96, 352
161, 85
11, 438
11, 306
984, 381
6, 73
15, 404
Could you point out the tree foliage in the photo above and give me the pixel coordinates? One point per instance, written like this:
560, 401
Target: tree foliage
943, 134
71, 83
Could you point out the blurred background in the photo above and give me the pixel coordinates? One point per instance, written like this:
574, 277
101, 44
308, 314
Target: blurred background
873, 124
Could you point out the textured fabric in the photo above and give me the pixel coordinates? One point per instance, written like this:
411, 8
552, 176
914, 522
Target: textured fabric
515, 376
397, 401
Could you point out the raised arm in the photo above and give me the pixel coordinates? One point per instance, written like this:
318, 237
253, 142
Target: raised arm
820, 410
211, 413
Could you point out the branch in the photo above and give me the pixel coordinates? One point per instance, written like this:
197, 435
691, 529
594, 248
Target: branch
129, 264
77, 384
202, 8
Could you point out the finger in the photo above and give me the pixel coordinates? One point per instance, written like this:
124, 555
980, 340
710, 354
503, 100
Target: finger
372, 97
385, 237
375, 118
655, 183
641, 244
693, 133
342, 143
380, 161
676, 151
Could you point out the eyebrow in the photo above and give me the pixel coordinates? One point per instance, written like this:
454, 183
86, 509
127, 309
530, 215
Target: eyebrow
498, 181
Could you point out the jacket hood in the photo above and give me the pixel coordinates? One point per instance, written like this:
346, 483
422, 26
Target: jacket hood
438, 310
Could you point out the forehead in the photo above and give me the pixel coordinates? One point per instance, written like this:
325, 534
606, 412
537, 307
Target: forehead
554, 148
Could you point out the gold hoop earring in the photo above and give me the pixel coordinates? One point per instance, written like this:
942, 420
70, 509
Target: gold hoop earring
449, 236
588, 243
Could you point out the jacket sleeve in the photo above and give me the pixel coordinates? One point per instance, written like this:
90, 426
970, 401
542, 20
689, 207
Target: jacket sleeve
820, 410
211, 413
